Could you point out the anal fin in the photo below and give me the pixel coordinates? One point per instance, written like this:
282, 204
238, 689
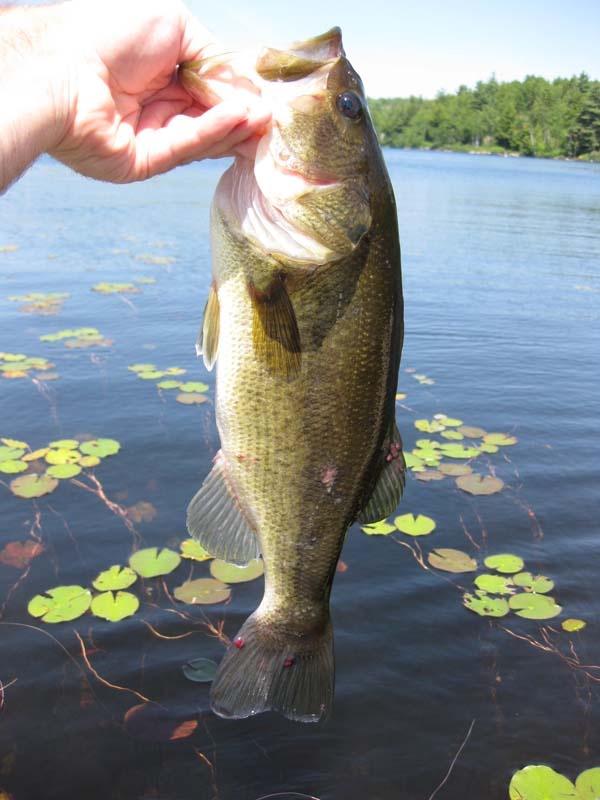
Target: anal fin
275, 332
208, 336
390, 483
216, 519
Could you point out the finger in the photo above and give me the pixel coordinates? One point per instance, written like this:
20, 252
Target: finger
185, 138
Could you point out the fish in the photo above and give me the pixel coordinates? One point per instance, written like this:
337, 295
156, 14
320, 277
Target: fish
304, 321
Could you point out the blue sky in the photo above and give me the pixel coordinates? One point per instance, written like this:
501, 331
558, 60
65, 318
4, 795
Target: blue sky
402, 48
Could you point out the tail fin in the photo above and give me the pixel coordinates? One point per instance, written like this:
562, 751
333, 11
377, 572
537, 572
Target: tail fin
264, 670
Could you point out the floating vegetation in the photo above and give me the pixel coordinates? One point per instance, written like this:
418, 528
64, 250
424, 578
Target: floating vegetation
149, 258
47, 304
418, 376
450, 560
20, 554
527, 593
410, 524
153, 561
114, 606
144, 280
66, 459
202, 591
78, 338
115, 578
8, 248
572, 625
142, 511
193, 550
539, 782
200, 670
116, 288
18, 365
233, 573
154, 723
190, 392
62, 604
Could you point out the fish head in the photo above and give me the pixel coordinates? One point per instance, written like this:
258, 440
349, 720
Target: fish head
314, 164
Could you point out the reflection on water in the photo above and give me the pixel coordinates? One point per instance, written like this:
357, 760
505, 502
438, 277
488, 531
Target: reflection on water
495, 253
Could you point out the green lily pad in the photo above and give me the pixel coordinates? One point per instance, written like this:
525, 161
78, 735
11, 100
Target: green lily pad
175, 371
427, 444
413, 462
115, 578
231, 573
380, 528
115, 288
414, 526
428, 427
191, 398
14, 443
451, 450
115, 607
200, 670
449, 560
203, 591
13, 467
538, 782
504, 562
448, 422
455, 470
62, 456
539, 584
572, 625
495, 584
486, 606
151, 561
64, 444
33, 485
501, 439
534, 606
488, 448
479, 484
190, 548
430, 475
588, 784
454, 435
63, 471
194, 386
62, 604
11, 453
141, 367
89, 461
169, 384
430, 458
100, 447
151, 375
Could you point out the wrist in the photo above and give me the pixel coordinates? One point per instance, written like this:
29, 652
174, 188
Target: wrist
34, 84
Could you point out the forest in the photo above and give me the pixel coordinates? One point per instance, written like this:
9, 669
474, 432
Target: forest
532, 117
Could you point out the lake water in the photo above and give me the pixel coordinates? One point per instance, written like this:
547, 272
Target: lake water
501, 262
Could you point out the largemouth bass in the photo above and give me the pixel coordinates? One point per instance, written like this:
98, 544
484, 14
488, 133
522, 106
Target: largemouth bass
304, 321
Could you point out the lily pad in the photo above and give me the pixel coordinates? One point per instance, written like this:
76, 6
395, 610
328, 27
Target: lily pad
63, 471
448, 422
500, 439
486, 606
19, 554
572, 625
504, 562
588, 784
414, 526
539, 584
200, 670
451, 450
62, 456
151, 561
115, 578
453, 435
115, 288
89, 461
202, 591
11, 453
538, 782
141, 367
192, 549
115, 607
100, 447
471, 432
455, 470
191, 398
449, 560
479, 484
430, 475
380, 528
534, 606
413, 462
231, 573
62, 604
154, 723
194, 386
14, 443
33, 485
64, 444
12, 467
495, 584
151, 375
428, 427
169, 384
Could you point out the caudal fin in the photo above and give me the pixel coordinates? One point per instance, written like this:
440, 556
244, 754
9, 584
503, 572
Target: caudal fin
267, 671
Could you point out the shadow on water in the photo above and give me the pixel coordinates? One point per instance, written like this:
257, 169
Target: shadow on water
502, 281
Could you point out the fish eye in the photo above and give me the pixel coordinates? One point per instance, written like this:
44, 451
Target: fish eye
350, 105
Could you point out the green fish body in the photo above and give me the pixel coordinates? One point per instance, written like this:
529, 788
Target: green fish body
304, 321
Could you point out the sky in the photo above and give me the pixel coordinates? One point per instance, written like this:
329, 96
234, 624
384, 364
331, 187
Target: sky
422, 47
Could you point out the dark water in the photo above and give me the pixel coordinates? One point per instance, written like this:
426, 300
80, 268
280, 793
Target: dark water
502, 284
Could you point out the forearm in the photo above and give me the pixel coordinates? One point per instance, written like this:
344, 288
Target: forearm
33, 86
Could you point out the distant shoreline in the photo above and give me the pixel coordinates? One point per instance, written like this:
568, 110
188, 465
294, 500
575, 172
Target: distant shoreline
593, 158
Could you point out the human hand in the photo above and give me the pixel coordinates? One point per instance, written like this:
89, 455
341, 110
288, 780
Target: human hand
126, 117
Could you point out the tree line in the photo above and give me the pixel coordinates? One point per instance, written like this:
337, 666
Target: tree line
533, 117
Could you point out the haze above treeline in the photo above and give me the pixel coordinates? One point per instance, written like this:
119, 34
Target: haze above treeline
532, 117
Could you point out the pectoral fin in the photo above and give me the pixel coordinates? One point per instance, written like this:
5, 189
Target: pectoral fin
275, 332
208, 336
390, 484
